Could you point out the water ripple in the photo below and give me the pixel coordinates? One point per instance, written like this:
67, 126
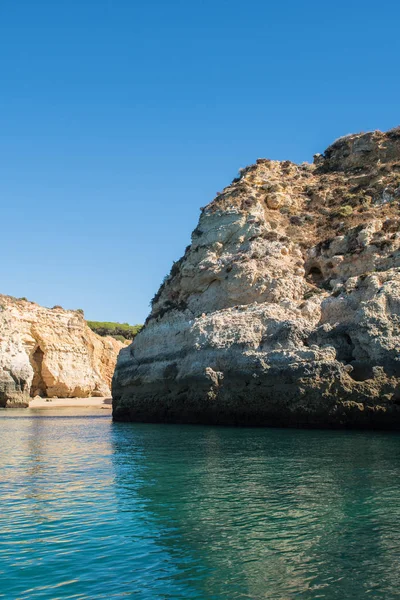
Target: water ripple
95, 510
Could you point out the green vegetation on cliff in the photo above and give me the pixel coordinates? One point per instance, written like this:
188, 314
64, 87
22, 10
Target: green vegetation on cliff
120, 331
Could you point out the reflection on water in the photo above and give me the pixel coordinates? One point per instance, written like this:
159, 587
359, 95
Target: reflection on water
92, 509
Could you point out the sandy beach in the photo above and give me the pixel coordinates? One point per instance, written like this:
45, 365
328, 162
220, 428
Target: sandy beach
78, 403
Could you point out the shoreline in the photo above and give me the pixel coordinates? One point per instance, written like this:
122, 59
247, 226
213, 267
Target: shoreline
52, 403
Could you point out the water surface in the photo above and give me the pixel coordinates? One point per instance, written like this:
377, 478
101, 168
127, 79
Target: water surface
92, 509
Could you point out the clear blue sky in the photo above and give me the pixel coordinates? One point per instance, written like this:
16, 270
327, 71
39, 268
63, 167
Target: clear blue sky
119, 119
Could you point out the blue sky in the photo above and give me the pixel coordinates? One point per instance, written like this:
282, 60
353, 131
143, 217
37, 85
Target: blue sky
119, 119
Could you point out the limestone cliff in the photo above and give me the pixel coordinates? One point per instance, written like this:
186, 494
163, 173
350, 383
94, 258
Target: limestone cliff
51, 352
285, 308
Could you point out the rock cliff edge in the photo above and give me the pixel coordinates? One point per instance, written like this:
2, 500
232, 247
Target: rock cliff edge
285, 308
51, 352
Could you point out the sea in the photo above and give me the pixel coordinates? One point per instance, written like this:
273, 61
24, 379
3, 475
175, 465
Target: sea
93, 509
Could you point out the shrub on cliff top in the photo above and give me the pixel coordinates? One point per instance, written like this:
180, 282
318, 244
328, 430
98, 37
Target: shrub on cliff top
116, 330
345, 211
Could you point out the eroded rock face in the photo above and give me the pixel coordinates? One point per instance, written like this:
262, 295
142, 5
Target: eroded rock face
51, 352
285, 309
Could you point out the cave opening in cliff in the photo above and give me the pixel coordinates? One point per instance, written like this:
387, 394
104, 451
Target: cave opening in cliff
361, 371
38, 387
315, 275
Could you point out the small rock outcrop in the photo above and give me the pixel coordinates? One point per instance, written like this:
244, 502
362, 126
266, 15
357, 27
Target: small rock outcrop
285, 308
51, 353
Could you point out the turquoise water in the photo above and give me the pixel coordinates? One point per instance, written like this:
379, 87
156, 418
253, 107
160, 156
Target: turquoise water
90, 509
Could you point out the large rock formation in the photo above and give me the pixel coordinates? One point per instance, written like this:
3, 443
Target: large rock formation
285, 308
51, 352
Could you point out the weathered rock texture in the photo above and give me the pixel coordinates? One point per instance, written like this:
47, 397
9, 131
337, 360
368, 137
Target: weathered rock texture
285, 308
51, 352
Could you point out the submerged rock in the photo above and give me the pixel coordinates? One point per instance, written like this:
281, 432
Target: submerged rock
51, 352
285, 308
